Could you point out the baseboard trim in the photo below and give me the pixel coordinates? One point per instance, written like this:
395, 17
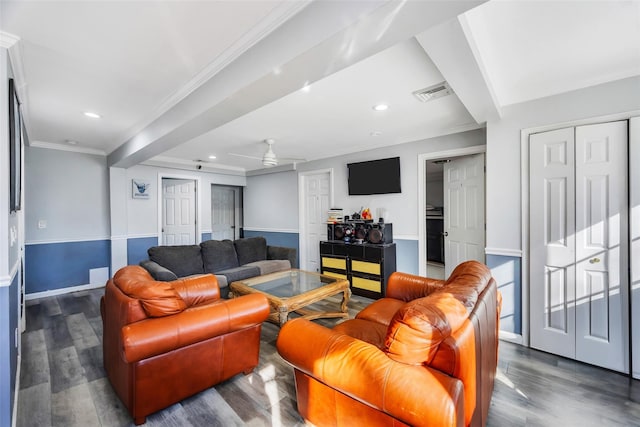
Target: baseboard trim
61, 291
14, 410
511, 337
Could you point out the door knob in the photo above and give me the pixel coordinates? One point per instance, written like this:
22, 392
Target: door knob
445, 233
594, 260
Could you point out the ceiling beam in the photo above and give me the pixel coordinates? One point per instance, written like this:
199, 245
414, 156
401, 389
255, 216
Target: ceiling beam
323, 38
451, 47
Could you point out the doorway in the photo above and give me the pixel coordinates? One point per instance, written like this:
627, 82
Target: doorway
226, 212
178, 212
452, 209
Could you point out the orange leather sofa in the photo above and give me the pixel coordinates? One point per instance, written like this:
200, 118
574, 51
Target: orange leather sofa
165, 341
425, 355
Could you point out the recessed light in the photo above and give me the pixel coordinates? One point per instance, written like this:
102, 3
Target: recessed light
376, 133
306, 88
212, 157
92, 115
71, 141
380, 107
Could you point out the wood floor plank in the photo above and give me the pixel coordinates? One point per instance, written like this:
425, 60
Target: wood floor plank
34, 406
35, 360
73, 407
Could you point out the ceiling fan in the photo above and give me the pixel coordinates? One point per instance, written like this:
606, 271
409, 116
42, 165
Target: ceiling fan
269, 158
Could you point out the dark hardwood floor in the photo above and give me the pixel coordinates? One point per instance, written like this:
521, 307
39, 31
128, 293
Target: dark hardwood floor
62, 382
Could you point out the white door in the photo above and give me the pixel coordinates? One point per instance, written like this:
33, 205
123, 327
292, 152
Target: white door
223, 212
464, 230
601, 245
578, 253
178, 211
316, 197
552, 240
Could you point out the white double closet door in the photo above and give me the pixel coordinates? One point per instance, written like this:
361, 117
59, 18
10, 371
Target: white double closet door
579, 243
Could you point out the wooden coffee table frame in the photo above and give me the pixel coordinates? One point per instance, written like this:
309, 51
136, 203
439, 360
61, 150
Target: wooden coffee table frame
282, 306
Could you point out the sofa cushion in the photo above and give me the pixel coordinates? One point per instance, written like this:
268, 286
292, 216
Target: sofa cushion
251, 249
418, 328
182, 260
240, 273
158, 299
364, 330
381, 311
271, 265
218, 255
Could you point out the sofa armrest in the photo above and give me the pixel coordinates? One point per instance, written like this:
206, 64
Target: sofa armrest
158, 272
154, 336
280, 252
407, 287
416, 395
197, 289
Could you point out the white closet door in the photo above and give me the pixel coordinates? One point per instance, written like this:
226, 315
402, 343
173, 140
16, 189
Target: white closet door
552, 239
601, 245
579, 243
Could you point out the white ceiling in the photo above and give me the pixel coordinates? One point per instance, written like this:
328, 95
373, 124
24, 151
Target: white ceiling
178, 81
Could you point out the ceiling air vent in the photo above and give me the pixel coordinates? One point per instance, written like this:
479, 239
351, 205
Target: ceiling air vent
433, 92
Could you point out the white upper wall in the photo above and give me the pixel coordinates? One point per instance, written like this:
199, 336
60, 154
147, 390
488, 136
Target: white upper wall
271, 201
70, 192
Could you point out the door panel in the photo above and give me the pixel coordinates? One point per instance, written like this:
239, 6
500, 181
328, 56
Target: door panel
552, 239
463, 211
179, 212
601, 221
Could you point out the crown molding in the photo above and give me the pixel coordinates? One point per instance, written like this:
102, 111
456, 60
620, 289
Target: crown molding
64, 147
13, 44
280, 14
7, 40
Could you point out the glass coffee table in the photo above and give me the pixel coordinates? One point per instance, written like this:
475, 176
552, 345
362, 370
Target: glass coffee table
293, 290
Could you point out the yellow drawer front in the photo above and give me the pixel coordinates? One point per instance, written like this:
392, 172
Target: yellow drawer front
334, 263
366, 267
336, 275
370, 285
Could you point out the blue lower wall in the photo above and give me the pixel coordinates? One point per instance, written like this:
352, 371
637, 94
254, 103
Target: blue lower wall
137, 249
9, 305
51, 266
407, 256
205, 237
288, 240
507, 271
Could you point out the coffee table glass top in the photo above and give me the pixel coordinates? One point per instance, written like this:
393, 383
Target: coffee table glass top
289, 283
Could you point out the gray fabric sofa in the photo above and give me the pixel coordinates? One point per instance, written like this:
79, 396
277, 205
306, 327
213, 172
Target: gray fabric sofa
228, 260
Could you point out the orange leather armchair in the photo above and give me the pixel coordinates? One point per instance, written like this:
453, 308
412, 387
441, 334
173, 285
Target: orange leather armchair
425, 355
165, 341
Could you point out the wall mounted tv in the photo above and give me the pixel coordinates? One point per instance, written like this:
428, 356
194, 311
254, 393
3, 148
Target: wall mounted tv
374, 177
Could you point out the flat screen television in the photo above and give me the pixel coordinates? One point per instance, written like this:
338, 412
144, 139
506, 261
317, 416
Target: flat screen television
374, 177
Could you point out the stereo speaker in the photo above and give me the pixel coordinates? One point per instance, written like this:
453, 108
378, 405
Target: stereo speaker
380, 233
340, 231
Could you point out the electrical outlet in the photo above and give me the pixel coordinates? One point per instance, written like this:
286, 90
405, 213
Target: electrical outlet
42, 223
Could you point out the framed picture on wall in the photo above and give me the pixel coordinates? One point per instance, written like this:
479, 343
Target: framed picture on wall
15, 149
140, 188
